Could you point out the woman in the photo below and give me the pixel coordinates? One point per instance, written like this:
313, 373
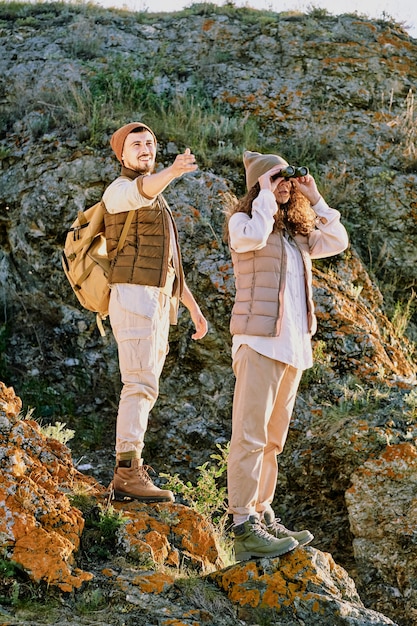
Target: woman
274, 231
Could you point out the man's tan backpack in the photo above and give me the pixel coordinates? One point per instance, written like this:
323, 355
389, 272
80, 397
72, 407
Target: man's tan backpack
85, 260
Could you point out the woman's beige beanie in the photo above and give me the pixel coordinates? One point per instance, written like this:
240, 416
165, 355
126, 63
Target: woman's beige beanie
257, 164
117, 140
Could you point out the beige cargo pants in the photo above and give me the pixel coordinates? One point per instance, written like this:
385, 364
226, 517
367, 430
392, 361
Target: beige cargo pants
264, 397
139, 317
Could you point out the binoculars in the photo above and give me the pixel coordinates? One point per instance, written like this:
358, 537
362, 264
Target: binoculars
291, 172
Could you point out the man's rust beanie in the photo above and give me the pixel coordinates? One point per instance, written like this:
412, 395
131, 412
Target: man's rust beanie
117, 140
257, 164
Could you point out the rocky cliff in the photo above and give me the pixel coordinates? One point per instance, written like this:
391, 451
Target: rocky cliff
334, 93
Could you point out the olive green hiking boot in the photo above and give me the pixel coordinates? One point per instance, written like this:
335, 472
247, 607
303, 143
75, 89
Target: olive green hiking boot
253, 541
272, 525
133, 481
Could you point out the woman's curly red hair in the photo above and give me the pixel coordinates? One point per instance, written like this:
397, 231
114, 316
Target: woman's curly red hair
296, 216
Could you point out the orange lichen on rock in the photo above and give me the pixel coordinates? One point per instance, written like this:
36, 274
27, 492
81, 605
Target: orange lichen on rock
39, 529
153, 582
208, 25
139, 537
109, 573
402, 452
170, 532
236, 581
46, 556
305, 575
10, 404
197, 537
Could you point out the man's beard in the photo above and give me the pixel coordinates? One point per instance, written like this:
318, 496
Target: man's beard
144, 168
141, 168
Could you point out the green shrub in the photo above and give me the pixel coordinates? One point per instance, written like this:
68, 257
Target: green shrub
321, 368
403, 313
99, 538
207, 496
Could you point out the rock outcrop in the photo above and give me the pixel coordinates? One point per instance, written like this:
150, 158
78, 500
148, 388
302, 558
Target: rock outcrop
39, 529
306, 584
382, 507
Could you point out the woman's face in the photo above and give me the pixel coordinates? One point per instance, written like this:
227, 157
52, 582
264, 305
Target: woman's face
282, 191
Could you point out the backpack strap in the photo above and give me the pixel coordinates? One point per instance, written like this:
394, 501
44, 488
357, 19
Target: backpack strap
120, 245
126, 227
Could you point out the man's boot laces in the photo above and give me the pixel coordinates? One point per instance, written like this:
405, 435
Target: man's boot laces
143, 472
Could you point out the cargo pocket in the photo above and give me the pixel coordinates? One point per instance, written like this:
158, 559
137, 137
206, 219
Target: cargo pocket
136, 349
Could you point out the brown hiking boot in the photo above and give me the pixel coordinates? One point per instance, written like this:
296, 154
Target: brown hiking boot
134, 482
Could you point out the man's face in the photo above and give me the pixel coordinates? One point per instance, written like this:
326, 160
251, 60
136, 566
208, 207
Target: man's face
139, 152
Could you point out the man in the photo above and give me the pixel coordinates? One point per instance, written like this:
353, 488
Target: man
147, 283
275, 230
